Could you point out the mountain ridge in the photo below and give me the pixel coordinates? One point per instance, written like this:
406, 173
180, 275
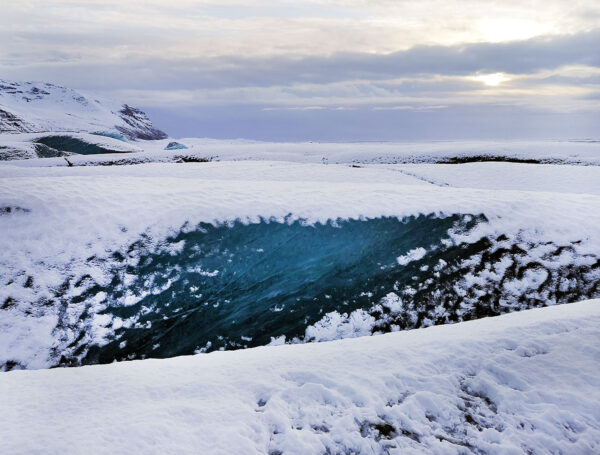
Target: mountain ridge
35, 107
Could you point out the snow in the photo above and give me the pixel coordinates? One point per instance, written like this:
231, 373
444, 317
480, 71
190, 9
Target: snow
413, 255
44, 107
335, 326
575, 152
516, 176
357, 153
522, 382
63, 215
47, 107
525, 382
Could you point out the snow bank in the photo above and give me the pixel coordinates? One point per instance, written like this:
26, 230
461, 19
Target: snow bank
520, 383
63, 226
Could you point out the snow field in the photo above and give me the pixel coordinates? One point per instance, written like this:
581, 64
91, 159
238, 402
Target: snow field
520, 382
357, 153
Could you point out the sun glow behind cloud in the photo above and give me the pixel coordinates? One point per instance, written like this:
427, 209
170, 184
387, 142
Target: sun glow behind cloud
492, 80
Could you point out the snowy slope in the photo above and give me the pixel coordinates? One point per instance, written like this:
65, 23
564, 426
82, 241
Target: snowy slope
26, 146
520, 383
42, 107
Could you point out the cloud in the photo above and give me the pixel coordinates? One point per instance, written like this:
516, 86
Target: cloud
195, 28
309, 59
523, 57
406, 107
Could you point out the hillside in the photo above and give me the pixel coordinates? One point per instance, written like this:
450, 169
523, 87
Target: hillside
31, 107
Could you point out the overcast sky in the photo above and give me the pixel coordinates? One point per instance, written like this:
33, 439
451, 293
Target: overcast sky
323, 70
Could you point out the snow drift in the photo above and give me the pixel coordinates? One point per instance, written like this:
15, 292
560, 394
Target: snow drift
525, 382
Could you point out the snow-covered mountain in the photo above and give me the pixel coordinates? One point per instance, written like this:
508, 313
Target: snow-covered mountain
27, 107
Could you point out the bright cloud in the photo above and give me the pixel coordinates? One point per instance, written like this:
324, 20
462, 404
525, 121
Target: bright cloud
118, 29
493, 79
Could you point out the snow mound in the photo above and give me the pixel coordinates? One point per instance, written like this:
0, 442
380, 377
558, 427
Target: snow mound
525, 382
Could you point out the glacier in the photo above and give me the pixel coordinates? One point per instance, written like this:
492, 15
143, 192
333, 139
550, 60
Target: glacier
234, 296
111, 262
387, 286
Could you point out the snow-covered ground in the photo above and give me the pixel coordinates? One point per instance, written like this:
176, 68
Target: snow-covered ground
63, 224
524, 382
514, 176
575, 152
563, 152
117, 242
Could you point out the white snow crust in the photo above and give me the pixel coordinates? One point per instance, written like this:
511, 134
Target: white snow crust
524, 382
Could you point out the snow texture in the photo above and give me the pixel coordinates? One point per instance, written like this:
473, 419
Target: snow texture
525, 382
62, 227
413, 255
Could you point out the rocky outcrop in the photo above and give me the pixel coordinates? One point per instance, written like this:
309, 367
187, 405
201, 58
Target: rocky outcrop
139, 125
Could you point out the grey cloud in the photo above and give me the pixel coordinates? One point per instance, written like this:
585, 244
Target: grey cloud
300, 78
523, 57
584, 79
593, 96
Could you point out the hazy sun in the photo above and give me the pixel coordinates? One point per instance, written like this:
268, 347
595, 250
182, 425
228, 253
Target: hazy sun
493, 79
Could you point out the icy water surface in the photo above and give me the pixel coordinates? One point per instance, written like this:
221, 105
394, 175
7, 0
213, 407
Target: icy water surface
239, 285
236, 285
52, 146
